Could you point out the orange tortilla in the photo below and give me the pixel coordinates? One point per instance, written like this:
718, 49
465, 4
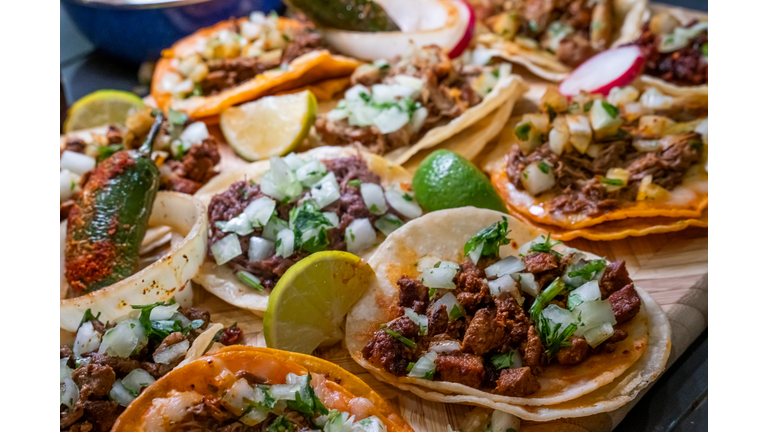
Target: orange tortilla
310, 68
335, 387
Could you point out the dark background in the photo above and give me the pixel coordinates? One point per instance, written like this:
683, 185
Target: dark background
676, 403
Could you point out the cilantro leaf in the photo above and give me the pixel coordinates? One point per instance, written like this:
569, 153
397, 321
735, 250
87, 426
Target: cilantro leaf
610, 109
305, 218
281, 424
521, 132
705, 50
430, 375
354, 183
545, 246
551, 111
456, 312
492, 238
503, 360
543, 167
401, 338
306, 402
612, 182
589, 270
551, 337
105, 152
588, 106
88, 316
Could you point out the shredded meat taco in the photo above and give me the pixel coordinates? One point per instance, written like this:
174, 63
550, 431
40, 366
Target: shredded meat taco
254, 389
581, 163
399, 106
461, 307
550, 38
240, 60
267, 217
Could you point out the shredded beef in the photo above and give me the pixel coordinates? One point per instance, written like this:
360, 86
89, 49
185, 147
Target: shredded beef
625, 303
668, 168
94, 379
196, 167
300, 45
484, 333
74, 145
464, 369
685, 66
101, 414
518, 382
574, 50
576, 353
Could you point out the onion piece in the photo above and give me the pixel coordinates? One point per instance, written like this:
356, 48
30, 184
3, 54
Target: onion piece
420, 320
260, 211
136, 380
587, 292
333, 218
373, 196
293, 161
446, 23
369, 424
403, 201
439, 277
388, 223
195, 133
226, 249
68, 393
120, 394
654, 99
445, 346
87, 339
424, 365
452, 306
234, 399
527, 283
538, 177
359, 236
311, 172
172, 352
123, 340
597, 335
273, 227
69, 183
326, 191
260, 249
593, 314
503, 422
163, 312
508, 265
77, 163
285, 243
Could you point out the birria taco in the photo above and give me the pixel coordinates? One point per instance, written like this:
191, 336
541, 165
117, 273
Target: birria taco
241, 60
245, 388
580, 163
471, 306
397, 107
269, 215
550, 38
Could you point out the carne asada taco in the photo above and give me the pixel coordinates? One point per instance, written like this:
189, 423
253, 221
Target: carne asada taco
581, 163
269, 215
107, 364
243, 388
399, 106
241, 60
675, 46
550, 38
454, 312
185, 151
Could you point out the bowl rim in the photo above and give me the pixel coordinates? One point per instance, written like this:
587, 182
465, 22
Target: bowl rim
134, 4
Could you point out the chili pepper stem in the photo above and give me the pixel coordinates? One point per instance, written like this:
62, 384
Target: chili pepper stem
146, 149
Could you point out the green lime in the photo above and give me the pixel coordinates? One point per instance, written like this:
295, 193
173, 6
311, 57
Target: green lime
307, 307
447, 180
101, 108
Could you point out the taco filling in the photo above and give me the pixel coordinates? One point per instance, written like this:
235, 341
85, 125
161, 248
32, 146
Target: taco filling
238, 53
301, 206
675, 52
597, 155
495, 323
186, 153
572, 31
394, 103
110, 363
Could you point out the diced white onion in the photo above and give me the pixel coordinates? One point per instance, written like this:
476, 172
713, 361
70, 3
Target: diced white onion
440, 277
427, 262
339, 422
407, 207
388, 223
593, 314
234, 398
326, 191
418, 118
171, 353
120, 394
449, 301
504, 422
444, 346
87, 339
652, 98
370, 424
420, 320
68, 392
69, 183
587, 292
254, 416
362, 115
258, 17
195, 133
259, 211
311, 172
424, 364
123, 339
409, 81
508, 265
273, 227
580, 132
293, 161
559, 136
359, 236
505, 284
477, 252
163, 312
602, 122
354, 92
382, 94
239, 224
169, 81
373, 196
621, 95
527, 283
537, 181
333, 218
137, 379
64, 370
645, 145
260, 249
703, 129
226, 249
337, 114
557, 315
285, 243
77, 163
268, 187
597, 335
282, 175
391, 120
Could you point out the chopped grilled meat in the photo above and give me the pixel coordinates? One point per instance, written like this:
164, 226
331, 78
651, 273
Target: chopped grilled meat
576, 353
518, 382
464, 369
484, 333
625, 303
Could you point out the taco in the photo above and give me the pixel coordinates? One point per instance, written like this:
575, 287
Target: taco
400, 106
551, 38
241, 60
454, 315
578, 164
675, 46
244, 388
186, 153
271, 214
105, 365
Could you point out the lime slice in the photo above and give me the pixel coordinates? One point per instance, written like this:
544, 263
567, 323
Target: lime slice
447, 180
307, 307
101, 108
270, 126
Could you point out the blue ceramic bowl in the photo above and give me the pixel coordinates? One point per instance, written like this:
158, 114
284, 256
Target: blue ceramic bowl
138, 30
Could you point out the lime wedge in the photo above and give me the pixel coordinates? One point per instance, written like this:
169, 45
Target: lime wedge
307, 307
270, 126
101, 108
447, 180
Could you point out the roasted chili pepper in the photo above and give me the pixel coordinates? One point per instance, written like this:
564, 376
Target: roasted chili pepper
107, 224
350, 15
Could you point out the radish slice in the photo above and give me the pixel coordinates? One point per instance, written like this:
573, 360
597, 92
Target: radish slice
613, 68
446, 23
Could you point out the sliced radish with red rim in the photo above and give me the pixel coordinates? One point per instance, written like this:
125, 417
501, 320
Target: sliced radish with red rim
613, 68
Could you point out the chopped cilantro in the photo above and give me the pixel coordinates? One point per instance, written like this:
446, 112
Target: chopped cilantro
305, 218
243, 192
525, 175
456, 312
612, 182
355, 183
88, 316
503, 360
176, 121
410, 366
521, 132
546, 246
546, 296
281, 424
374, 209
550, 111
574, 107
705, 50
197, 90
250, 280
106, 151
72, 185
407, 197
285, 37
160, 329
306, 402
589, 270
401, 338
430, 375
365, 97
543, 167
697, 144
610, 109
432, 292
533, 26
491, 239
552, 338
495, 73
588, 106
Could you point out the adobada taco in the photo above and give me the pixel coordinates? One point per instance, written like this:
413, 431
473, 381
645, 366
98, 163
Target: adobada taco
241, 60
244, 388
454, 315
581, 163
397, 107
107, 364
551, 38
266, 217
674, 43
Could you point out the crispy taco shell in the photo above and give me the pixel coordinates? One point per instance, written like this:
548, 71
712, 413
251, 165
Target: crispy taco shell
443, 234
220, 280
310, 68
334, 386
627, 17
